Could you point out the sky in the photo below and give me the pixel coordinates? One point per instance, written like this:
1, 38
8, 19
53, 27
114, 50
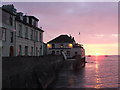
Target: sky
97, 22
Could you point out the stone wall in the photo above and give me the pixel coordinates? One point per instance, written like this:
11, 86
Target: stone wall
30, 72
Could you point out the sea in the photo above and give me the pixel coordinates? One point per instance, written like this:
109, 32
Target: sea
99, 72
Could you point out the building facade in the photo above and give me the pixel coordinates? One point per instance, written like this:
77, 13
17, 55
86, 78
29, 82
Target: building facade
21, 35
66, 44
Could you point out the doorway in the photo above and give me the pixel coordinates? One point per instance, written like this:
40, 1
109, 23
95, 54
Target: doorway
11, 51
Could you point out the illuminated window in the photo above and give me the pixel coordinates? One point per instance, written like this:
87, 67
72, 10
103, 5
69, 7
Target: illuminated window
49, 46
61, 46
70, 45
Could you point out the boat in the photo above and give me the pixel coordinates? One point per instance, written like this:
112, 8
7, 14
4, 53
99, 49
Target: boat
106, 55
89, 55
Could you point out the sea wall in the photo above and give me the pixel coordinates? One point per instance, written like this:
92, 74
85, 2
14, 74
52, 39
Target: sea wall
30, 72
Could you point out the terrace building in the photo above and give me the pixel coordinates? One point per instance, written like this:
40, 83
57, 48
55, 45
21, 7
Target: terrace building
20, 33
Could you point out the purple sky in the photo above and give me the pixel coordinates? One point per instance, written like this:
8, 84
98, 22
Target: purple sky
96, 21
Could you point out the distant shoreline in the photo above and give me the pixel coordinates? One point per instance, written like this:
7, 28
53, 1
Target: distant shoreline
104, 55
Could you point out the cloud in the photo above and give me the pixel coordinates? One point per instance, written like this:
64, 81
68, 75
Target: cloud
114, 35
89, 18
99, 35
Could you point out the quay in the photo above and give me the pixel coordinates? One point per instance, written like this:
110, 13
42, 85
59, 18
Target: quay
34, 72
30, 72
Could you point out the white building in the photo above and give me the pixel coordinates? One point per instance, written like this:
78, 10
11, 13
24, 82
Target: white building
66, 44
20, 34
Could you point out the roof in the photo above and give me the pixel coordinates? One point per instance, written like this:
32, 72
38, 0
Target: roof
62, 39
8, 11
30, 25
34, 18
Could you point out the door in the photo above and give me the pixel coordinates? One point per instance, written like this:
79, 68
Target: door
11, 51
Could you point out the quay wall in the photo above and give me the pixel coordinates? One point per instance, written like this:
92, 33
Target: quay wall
30, 71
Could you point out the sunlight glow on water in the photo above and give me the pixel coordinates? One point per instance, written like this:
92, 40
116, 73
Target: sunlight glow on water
106, 71
99, 72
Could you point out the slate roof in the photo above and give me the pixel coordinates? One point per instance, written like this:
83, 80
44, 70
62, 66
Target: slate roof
63, 39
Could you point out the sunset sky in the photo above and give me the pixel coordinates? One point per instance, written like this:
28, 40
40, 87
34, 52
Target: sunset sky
97, 22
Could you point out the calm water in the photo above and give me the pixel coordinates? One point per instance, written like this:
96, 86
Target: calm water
99, 72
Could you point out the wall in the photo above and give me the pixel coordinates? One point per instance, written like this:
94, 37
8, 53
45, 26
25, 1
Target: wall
28, 42
65, 49
30, 72
5, 24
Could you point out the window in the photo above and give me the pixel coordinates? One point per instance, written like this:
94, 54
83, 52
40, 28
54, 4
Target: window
31, 51
61, 52
76, 53
20, 30
2, 50
34, 23
40, 50
36, 35
11, 37
11, 20
57, 53
53, 53
36, 51
26, 32
26, 50
3, 34
31, 34
68, 53
61, 46
49, 46
40, 37
53, 45
20, 50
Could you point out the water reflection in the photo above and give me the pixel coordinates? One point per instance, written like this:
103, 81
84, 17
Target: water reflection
99, 72
98, 80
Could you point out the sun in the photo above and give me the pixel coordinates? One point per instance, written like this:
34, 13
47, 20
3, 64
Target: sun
97, 54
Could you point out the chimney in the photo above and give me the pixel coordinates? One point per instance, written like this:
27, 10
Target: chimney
10, 8
70, 36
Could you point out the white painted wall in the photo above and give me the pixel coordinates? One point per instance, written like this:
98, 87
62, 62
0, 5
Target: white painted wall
18, 40
66, 48
6, 44
28, 42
